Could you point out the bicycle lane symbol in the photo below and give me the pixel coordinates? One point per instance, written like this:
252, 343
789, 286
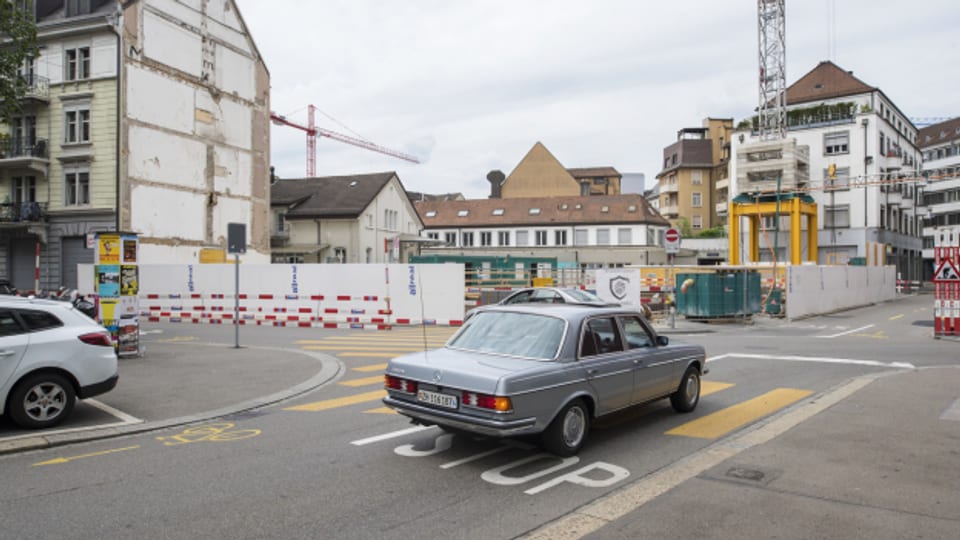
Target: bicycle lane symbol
217, 432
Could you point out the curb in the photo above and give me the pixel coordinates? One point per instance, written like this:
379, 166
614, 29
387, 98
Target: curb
330, 369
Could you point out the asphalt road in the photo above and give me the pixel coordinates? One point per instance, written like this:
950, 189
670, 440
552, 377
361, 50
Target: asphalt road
335, 464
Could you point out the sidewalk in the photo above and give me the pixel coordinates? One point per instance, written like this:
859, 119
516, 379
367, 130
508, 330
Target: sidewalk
177, 383
876, 458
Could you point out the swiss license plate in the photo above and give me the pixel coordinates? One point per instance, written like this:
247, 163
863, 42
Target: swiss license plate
436, 398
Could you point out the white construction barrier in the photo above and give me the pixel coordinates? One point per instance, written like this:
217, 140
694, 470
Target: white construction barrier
364, 296
813, 290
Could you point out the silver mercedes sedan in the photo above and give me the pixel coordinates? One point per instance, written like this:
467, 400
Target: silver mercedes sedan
547, 370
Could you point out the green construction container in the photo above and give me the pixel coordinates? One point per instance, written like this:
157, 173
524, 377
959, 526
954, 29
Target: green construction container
719, 294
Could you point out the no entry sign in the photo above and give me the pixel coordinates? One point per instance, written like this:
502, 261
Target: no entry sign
671, 241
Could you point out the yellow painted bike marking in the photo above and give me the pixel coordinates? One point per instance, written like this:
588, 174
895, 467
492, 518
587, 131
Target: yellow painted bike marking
616, 419
366, 381
876, 335
372, 367
726, 420
62, 460
712, 387
217, 432
895, 317
328, 404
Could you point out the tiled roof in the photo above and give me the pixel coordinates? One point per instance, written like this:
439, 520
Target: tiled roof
939, 133
593, 172
826, 81
632, 208
328, 196
415, 196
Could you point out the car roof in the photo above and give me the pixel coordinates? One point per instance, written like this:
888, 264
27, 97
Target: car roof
27, 301
566, 311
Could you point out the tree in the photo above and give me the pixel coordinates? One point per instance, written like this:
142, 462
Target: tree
18, 42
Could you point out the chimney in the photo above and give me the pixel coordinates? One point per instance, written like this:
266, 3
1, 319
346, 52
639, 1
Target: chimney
496, 179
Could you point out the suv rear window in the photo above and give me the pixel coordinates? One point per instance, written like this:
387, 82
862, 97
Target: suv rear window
39, 320
9, 326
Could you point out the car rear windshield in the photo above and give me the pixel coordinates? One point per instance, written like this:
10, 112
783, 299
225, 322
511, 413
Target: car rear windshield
525, 335
584, 296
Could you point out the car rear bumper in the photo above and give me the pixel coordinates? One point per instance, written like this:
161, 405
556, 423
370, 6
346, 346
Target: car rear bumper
96, 389
482, 426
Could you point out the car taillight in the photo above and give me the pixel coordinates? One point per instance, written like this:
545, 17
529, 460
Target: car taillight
483, 401
403, 385
97, 338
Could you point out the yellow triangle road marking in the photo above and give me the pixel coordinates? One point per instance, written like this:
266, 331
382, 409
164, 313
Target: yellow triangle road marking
373, 367
381, 410
366, 381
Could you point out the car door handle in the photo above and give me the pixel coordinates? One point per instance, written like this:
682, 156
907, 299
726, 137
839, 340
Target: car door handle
637, 362
7, 353
592, 372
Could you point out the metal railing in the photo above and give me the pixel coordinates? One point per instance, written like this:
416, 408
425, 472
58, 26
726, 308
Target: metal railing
22, 211
16, 147
37, 86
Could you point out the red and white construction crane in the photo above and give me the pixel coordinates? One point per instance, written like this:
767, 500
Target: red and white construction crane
313, 132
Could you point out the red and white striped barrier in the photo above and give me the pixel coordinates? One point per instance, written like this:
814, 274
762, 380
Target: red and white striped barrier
946, 281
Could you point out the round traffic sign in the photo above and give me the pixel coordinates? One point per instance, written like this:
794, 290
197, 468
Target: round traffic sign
672, 236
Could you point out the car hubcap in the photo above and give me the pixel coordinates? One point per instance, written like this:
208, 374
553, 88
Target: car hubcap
573, 425
693, 388
44, 401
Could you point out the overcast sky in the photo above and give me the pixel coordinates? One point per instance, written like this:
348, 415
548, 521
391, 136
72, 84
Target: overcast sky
470, 85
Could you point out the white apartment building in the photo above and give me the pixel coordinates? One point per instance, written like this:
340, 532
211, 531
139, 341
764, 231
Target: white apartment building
868, 209
940, 145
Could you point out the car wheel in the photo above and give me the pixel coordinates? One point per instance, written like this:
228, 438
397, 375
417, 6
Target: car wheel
568, 431
41, 401
686, 397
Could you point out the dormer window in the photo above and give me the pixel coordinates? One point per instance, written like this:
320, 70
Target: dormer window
497, 211
604, 209
564, 206
534, 211
431, 213
632, 208
463, 213
578, 206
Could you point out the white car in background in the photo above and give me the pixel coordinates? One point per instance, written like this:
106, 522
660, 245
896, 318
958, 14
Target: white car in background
51, 354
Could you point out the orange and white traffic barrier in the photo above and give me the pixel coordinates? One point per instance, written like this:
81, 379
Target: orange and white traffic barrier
946, 282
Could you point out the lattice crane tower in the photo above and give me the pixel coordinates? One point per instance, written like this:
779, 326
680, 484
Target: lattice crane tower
771, 24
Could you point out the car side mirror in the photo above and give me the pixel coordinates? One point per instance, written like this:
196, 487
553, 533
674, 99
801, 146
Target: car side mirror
663, 341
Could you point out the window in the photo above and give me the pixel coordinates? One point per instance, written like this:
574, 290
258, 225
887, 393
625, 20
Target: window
837, 216
632, 208
76, 126
836, 143
503, 238
580, 237
77, 186
534, 211
486, 238
467, 239
696, 177
697, 201
523, 238
9, 326
431, 213
463, 213
560, 238
584, 189
77, 64
697, 222
603, 237
624, 236
498, 211
340, 254
281, 222
635, 333
78, 7
840, 180
39, 320
600, 336
433, 235
24, 189
541, 238
605, 209
450, 238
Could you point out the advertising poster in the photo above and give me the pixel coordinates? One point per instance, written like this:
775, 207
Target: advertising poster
108, 249
128, 337
108, 280
109, 317
128, 280
129, 249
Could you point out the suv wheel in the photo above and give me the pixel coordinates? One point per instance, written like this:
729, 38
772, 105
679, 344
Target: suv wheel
41, 401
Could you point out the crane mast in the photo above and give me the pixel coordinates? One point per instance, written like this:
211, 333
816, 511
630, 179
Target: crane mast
771, 24
313, 132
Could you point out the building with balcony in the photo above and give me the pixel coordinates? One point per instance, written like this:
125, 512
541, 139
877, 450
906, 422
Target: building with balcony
868, 205
693, 182
940, 148
139, 118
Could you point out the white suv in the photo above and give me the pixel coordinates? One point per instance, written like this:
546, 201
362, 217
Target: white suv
50, 355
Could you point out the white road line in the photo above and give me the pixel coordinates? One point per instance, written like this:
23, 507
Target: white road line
847, 332
124, 417
391, 435
820, 359
952, 412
